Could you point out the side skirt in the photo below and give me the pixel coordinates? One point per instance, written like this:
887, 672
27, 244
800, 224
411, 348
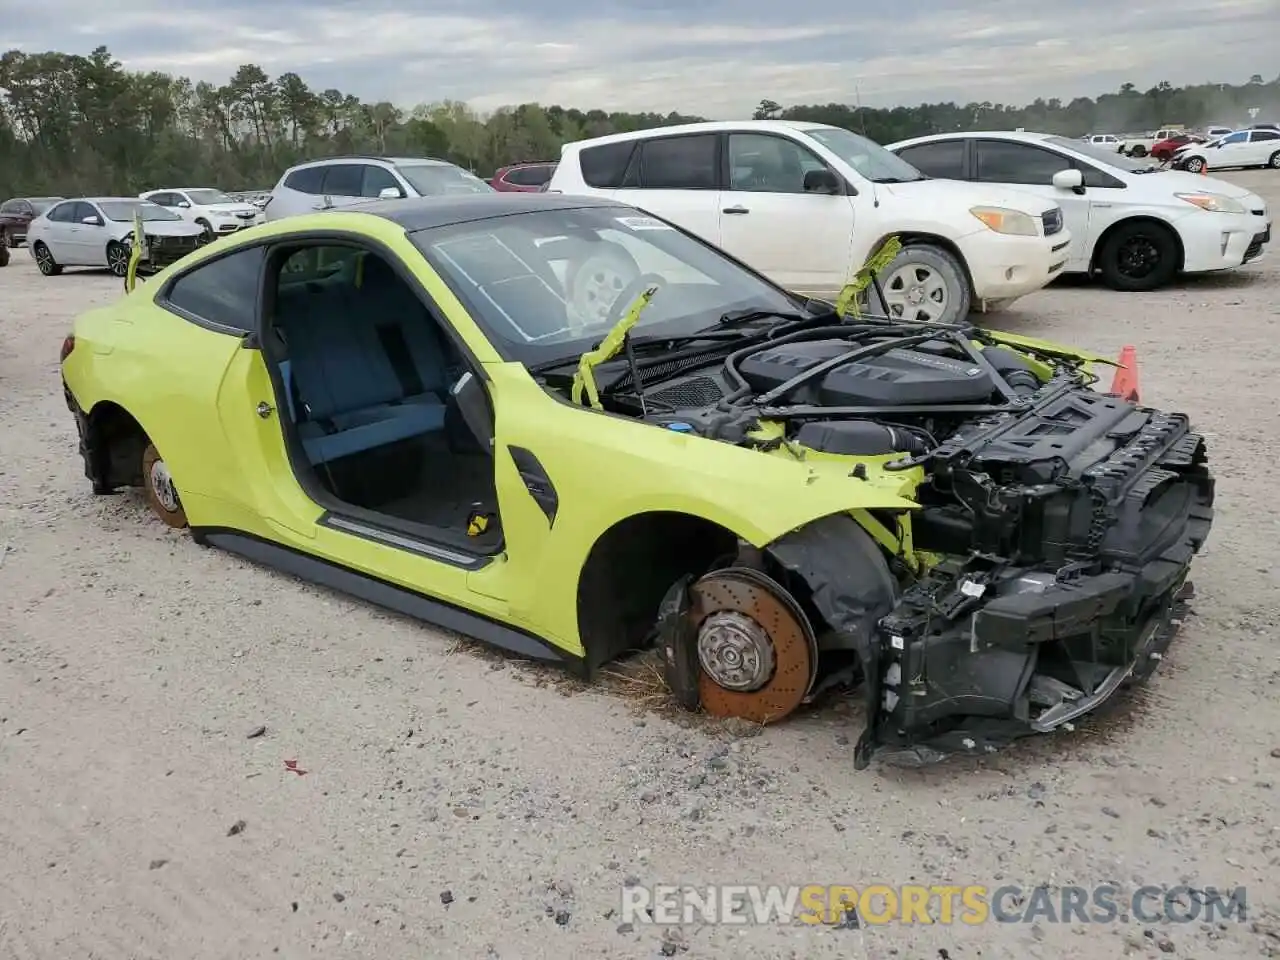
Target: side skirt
388, 595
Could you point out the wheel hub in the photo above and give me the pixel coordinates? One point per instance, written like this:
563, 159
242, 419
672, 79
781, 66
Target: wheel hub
735, 651
162, 484
756, 650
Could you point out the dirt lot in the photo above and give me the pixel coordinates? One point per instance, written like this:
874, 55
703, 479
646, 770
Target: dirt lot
461, 805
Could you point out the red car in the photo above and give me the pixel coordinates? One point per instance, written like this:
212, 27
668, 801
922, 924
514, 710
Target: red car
530, 176
15, 214
1165, 149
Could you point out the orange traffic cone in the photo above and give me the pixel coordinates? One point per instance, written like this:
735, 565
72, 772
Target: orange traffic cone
1125, 382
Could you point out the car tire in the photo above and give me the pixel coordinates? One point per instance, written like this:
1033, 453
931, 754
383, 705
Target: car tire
1274, 162
919, 272
1138, 255
1193, 164
1138, 151
206, 226
117, 258
4, 255
44, 260
162, 495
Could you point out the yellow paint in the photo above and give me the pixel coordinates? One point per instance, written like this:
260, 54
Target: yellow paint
195, 392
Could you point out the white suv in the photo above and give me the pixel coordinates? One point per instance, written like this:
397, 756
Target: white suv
342, 181
806, 204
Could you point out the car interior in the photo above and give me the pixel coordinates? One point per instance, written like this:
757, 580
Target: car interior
366, 372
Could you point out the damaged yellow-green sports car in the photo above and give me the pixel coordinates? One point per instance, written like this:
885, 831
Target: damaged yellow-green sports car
568, 428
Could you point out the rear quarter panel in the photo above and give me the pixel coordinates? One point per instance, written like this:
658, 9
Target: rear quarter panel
165, 372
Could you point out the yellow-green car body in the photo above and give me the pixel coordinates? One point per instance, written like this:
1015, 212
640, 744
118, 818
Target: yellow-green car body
590, 527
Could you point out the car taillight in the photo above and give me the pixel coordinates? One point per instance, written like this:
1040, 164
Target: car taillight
68, 344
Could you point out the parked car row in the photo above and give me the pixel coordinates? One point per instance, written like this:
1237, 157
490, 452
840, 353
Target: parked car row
984, 218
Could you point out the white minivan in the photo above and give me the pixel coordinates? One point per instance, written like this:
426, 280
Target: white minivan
806, 204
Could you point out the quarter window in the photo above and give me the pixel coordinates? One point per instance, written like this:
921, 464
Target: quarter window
307, 180
942, 158
1265, 135
222, 291
605, 166
1000, 161
679, 163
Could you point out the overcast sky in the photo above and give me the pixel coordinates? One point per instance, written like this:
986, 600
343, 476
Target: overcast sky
712, 57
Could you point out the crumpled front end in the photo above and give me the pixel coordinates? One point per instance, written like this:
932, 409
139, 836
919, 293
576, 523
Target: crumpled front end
1045, 569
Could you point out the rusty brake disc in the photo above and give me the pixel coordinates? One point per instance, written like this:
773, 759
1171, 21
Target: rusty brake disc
756, 649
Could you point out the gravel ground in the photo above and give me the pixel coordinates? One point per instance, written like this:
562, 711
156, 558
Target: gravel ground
458, 804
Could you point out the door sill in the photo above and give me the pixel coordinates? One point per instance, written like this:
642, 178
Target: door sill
408, 536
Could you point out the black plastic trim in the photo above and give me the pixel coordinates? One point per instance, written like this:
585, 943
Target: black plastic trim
388, 595
536, 481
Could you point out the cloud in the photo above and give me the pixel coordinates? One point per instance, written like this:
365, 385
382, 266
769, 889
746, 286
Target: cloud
717, 57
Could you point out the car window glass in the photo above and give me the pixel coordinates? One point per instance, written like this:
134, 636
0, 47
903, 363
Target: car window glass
551, 283
83, 210
9, 206
943, 158
222, 291
1237, 137
605, 166
343, 180
61, 213
1265, 135
307, 180
318, 263
1093, 177
377, 179
764, 164
679, 163
1000, 161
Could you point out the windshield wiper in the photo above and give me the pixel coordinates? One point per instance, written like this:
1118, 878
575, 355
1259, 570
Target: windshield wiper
726, 327
897, 179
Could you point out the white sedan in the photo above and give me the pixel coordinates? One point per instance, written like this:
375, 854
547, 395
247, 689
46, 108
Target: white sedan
98, 232
1259, 147
1131, 221
212, 210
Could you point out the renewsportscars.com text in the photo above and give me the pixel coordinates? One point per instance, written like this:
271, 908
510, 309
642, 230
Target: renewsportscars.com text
969, 904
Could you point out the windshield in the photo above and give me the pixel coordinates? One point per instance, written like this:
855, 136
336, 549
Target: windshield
206, 197
1102, 155
435, 179
123, 210
551, 283
868, 158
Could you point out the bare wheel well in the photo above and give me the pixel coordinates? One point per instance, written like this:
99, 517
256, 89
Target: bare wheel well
907, 238
1101, 243
118, 444
631, 567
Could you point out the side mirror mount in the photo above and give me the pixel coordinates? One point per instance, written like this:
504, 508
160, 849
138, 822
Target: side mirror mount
1072, 180
473, 403
390, 193
92, 221
821, 181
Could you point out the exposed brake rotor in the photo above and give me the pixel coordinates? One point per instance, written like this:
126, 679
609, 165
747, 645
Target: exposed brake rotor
756, 650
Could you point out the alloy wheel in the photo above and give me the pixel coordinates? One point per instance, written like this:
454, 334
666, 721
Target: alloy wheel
916, 292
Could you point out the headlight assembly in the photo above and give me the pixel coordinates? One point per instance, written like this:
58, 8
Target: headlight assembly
1003, 220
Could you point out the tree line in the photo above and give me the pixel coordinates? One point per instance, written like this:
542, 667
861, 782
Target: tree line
73, 124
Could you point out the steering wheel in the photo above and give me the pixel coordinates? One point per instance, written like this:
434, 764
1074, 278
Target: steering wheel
629, 293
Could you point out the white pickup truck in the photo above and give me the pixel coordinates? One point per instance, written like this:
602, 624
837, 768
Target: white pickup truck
1141, 146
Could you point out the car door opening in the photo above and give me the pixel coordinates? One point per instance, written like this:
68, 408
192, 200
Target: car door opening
366, 374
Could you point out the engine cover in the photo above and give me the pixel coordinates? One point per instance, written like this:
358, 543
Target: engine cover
894, 378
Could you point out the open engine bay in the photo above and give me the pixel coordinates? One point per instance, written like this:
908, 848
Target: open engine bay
1044, 567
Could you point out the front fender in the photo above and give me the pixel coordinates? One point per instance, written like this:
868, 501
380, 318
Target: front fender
762, 515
